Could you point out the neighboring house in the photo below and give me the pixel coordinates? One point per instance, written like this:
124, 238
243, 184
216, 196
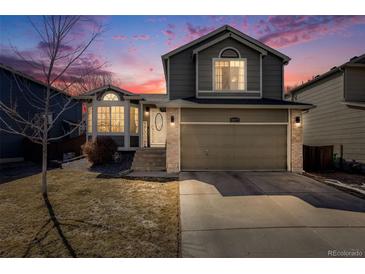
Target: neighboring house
339, 117
224, 110
15, 90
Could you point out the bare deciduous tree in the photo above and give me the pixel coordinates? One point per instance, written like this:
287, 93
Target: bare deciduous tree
59, 63
95, 80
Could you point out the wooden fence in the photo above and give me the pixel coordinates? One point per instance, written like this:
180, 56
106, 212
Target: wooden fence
317, 158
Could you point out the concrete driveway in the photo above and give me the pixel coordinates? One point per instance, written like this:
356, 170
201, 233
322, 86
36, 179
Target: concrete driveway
267, 214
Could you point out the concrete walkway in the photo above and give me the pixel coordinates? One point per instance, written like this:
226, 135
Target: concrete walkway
263, 214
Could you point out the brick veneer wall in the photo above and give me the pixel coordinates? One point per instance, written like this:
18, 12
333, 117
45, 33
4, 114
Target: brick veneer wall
173, 141
296, 141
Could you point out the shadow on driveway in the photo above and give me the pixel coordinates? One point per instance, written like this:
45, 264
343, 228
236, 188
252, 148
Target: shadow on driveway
235, 183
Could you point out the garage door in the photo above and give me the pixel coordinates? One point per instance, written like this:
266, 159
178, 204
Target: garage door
241, 146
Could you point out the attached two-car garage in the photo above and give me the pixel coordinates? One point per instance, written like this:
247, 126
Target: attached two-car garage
233, 139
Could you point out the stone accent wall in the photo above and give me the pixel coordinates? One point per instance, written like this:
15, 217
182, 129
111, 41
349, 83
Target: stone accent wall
173, 141
296, 141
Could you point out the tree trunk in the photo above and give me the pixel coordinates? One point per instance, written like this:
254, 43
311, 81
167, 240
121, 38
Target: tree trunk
44, 167
44, 143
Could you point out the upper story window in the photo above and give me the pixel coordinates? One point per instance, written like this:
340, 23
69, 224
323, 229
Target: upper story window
110, 97
229, 74
229, 71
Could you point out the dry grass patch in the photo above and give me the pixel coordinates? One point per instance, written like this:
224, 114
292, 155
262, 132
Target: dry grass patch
99, 217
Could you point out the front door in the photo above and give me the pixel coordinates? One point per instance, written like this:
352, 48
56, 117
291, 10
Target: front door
157, 128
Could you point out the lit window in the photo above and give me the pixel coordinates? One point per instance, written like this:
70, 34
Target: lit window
110, 97
111, 119
133, 120
89, 119
229, 75
117, 119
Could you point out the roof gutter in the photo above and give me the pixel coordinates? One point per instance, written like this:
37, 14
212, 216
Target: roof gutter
179, 103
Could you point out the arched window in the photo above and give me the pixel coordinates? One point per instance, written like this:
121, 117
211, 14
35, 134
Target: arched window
110, 97
230, 71
229, 53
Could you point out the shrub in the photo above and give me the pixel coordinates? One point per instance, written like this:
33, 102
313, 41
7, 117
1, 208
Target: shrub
100, 151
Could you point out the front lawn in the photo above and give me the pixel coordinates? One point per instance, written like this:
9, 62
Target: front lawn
98, 217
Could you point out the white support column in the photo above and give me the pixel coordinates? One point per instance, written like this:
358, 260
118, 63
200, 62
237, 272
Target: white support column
94, 118
126, 124
140, 124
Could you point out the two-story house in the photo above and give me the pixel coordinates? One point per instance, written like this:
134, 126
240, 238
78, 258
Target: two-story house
338, 121
224, 110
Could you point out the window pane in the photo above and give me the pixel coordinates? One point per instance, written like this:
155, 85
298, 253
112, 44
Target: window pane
133, 117
117, 119
103, 119
229, 75
225, 78
90, 119
110, 97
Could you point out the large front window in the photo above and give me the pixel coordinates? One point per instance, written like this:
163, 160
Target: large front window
229, 75
111, 119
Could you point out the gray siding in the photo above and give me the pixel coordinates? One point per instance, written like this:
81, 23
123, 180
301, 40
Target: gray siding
182, 75
182, 71
355, 84
205, 66
272, 77
332, 122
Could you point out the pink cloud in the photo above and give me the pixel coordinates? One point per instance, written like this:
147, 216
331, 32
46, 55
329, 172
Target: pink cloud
197, 31
156, 19
282, 31
169, 32
141, 37
120, 37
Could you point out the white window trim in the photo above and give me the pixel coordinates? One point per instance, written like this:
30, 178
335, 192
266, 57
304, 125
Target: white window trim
229, 91
232, 48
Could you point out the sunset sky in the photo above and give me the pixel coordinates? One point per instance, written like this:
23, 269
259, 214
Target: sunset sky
132, 45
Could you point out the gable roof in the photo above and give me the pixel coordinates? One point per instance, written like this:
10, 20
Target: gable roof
229, 35
29, 78
240, 34
108, 87
356, 61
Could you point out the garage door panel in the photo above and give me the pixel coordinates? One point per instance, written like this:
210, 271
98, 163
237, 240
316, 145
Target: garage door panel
233, 147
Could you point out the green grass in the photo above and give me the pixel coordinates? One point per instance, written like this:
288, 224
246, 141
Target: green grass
98, 217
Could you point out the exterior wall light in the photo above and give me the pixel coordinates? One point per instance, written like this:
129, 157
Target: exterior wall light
297, 121
172, 120
147, 111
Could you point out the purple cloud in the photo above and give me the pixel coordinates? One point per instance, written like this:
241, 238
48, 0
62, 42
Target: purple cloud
143, 37
169, 32
282, 31
197, 31
44, 46
120, 37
